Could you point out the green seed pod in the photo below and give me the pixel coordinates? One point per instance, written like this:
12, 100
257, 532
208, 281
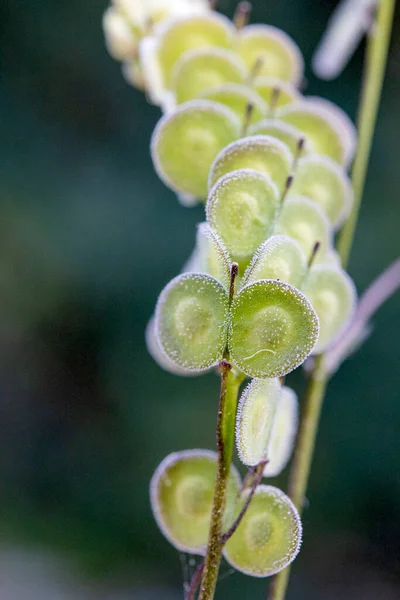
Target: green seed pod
255, 417
181, 494
283, 433
268, 538
211, 255
323, 136
275, 91
159, 355
273, 329
281, 258
330, 258
242, 208
306, 222
199, 70
176, 36
278, 129
273, 50
185, 143
262, 153
238, 98
333, 295
323, 180
191, 321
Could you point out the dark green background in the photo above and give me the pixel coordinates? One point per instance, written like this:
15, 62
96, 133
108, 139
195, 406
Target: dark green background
88, 238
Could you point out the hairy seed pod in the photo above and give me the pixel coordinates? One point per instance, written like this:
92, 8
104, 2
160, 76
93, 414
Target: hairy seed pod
239, 98
280, 257
306, 222
330, 258
199, 70
159, 355
255, 417
323, 180
284, 132
242, 208
269, 536
333, 295
273, 329
192, 320
211, 255
272, 50
275, 91
181, 494
262, 153
176, 36
185, 143
283, 433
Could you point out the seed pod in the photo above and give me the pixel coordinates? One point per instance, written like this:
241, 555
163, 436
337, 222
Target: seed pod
321, 130
275, 91
283, 433
273, 50
306, 222
242, 208
181, 494
278, 129
159, 355
255, 417
199, 70
323, 180
333, 295
268, 538
330, 258
212, 256
178, 35
239, 98
121, 39
273, 329
192, 320
185, 143
281, 258
262, 153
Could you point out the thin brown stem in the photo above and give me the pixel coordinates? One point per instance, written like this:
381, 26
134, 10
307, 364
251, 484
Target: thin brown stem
194, 582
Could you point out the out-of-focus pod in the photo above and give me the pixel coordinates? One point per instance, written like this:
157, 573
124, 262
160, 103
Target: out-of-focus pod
243, 100
283, 433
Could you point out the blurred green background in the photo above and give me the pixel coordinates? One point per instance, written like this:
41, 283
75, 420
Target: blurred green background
88, 238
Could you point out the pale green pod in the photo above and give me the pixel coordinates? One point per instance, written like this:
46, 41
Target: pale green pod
333, 294
242, 207
306, 222
255, 418
269, 536
283, 434
268, 87
273, 329
182, 493
278, 129
323, 180
212, 256
199, 70
262, 153
280, 257
192, 320
159, 355
272, 50
238, 98
320, 129
176, 36
331, 258
185, 143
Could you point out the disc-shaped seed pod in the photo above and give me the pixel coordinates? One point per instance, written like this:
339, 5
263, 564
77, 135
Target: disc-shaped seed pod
284, 132
273, 329
262, 153
182, 493
185, 143
242, 208
176, 36
330, 258
280, 257
271, 51
159, 356
306, 222
192, 320
211, 255
199, 70
321, 130
283, 433
268, 538
275, 91
255, 417
325, 181
333, 295
239, 98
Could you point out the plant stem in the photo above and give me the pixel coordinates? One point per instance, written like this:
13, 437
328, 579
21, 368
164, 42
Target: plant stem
377, 51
